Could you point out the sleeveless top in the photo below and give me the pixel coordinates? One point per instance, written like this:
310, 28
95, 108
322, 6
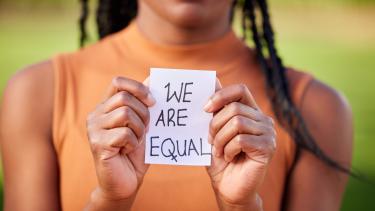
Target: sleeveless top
81, 80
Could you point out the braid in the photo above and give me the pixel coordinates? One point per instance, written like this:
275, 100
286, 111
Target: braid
111, 16
82, 21
277, 83
114, 15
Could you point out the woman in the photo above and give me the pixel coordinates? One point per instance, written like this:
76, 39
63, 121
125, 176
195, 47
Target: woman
65, 147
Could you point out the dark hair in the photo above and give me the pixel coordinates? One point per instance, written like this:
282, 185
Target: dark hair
114, 15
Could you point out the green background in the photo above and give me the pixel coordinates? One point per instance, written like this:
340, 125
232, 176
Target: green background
334, 40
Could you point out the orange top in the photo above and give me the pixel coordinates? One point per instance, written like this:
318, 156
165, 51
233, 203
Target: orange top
81, 80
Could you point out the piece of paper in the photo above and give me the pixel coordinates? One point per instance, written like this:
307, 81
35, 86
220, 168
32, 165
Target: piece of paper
178, 129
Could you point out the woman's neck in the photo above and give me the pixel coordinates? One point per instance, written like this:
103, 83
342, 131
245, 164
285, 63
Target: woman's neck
161, 30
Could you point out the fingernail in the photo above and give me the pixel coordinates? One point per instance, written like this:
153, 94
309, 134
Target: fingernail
151, 99
208, 106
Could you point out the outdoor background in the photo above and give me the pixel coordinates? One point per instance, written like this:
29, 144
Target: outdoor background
332, 39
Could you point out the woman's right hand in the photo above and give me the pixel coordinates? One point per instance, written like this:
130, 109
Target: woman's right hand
116, 131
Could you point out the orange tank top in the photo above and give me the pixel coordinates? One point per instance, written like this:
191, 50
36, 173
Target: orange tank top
81, 80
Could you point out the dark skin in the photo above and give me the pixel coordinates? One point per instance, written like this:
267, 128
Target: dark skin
30, 162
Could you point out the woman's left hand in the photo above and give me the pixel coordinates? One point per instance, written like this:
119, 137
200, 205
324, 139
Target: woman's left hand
243, 140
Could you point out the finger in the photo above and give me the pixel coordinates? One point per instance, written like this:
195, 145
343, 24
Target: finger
110, 142
233, 93
137, 157
123, 117
233, 109
122, 137
139, 152
261, 146
139, 90
218, 86
237, 125
231, 150
124, 98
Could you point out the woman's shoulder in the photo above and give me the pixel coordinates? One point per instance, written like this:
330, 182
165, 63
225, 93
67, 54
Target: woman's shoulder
307, 88
326, 106
326, 112
28, 98
34, 81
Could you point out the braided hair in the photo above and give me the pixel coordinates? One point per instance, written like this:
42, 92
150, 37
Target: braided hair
111, 17
114, 15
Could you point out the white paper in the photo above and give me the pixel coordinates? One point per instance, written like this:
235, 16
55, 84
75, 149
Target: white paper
183, 140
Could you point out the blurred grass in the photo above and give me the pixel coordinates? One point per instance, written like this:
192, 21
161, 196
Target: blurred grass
336, 44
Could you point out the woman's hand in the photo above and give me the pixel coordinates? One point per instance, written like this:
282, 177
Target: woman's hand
116, 130
243, 140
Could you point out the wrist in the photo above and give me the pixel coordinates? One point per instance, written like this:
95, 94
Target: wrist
99, 201
253, 204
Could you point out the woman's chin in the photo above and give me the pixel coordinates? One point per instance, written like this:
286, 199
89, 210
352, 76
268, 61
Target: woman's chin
189, 14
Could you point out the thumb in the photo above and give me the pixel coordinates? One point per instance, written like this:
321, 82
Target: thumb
147, 81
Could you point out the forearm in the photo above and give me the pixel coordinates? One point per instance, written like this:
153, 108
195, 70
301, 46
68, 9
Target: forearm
255, 204
98, 203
